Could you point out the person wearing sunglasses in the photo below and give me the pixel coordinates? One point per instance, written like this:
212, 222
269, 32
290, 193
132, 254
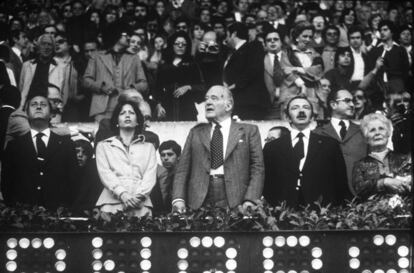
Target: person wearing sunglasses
362, 104
343, 130
331, 39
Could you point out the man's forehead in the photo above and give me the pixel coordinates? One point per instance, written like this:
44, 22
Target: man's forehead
299, 102
343, 94
167, 151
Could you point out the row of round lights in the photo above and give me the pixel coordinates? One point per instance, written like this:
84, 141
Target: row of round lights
290, 241
109, 265
36, 243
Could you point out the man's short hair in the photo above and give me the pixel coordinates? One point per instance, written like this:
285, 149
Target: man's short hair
15, 34
240, 29
170, 144
29, 98
272, 30
328, 27
295, 98
354, 29
387, 23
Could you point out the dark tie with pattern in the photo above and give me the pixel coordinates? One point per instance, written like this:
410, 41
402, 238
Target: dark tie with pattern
277, 72
216, 147
298, 149
40, 145
342, 132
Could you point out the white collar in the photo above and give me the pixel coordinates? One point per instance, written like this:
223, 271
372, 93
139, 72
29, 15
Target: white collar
239, 44
356, 52
7, 106
46, 132
335, 122
225, 123
294, 133
383, 45
17, 51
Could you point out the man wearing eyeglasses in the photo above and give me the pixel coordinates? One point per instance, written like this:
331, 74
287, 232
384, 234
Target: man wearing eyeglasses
111, 72
342, 129
273, 73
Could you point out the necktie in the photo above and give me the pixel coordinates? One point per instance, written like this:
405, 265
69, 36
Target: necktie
277, 72
342, 132
216, 147
298, 149
40, 145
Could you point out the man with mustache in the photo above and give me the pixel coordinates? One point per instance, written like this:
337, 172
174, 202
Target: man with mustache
303, 167
222, 162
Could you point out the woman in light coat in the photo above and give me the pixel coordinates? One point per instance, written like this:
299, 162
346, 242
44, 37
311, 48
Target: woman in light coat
126, 164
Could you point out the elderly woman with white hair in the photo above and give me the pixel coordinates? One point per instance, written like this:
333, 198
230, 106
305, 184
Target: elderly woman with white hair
382, 170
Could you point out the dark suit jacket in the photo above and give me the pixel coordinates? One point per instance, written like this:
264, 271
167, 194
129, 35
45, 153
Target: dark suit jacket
353, 146
5, 113
245, 68
17, 65
243, 166
324, 172
25, 181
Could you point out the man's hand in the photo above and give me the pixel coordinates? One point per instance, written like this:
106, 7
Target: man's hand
160, 111
394, 185
181, 91
179, 206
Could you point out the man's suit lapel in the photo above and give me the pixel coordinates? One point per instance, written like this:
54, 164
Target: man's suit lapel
235, 135
313, 149
126, 62
108, 61
287, 152
52, 145
330, 131
352, 130
205, 136
29, 146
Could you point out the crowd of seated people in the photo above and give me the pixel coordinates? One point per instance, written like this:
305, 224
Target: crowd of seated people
121, 65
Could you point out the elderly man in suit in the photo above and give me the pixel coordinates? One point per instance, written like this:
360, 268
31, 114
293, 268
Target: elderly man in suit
222, 161
343, 130
111, 72
243, 74
40, 167
304, 167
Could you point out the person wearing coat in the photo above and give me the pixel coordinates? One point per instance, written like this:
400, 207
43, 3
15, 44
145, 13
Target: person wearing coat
303, 68
127, 165
110, 72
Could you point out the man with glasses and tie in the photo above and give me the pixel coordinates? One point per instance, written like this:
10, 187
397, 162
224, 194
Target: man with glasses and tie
303, 167
39, 167
222, 162
342, 129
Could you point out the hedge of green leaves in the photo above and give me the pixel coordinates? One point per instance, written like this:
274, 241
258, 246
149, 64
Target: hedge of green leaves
378, 212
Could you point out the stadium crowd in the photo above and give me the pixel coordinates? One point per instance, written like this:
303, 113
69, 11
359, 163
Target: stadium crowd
345, 64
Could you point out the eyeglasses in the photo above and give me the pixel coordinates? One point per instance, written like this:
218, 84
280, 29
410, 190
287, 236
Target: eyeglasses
359, 97
181, 27
332, 33
180, 44
346, 100
272, 40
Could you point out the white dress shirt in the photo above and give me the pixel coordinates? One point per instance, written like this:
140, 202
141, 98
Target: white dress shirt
359, 66
272, 57
45, 137
337, 127
18, 52
294, 137
225, 130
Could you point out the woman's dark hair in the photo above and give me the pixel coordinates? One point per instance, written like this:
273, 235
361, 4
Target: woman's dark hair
169, 53
346, 12
299, 28
371, 19
389, 24
118, 109
342, 51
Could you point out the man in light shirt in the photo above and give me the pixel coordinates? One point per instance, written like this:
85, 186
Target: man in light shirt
358, 52
303, 167
222, 162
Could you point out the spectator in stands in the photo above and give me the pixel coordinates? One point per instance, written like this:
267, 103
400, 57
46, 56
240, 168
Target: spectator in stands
342, 129
362, 104
346, 21
273, 72
331, 40
111, 72
6, 73
360, 68
179, 81
197, 31
382, 170
158, 44
37, 73
304, 167
406, 41
276, 132
70, 93
398, 110
20, 43
340, 75
394, 74
170, 153
126, 164
244, 74
302, 66
319, 22
220, 166
372, 38
41, 166
90, 186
